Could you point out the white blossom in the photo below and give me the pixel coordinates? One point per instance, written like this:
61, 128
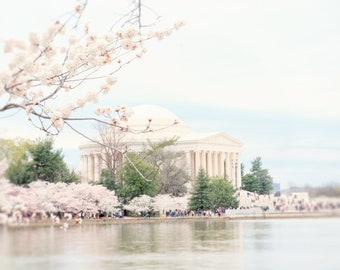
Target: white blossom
66, 112
129, 33
178, 25
101, 111
73, 40
128, 44
34, 40
105, 88
109, 37
142, 203
111, 80
81, 102
57, 119
19, 91
126, 114
4, 77
92, 96
12, 44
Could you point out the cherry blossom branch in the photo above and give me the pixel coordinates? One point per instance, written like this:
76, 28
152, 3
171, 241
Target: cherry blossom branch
52, 66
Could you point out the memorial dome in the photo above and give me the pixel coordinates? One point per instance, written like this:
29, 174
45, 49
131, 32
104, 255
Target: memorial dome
162, 122
152, 111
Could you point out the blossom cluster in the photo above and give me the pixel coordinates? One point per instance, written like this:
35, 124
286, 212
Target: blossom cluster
52, 197
143, 203
57, 65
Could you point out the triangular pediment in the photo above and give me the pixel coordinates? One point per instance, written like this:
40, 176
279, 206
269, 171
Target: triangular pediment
220, 138
217, 138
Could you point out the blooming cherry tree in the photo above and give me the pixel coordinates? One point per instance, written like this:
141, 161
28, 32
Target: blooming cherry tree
143, 203
45, 197
49, 75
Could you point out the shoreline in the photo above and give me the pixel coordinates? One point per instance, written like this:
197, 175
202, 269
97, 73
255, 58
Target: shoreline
163, 219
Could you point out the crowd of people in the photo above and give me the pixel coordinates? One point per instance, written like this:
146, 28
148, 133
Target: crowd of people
249, 204
24, 216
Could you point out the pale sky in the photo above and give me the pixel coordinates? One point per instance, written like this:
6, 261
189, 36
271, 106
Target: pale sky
265, 72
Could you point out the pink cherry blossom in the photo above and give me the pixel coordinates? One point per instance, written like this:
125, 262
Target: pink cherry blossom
56, 65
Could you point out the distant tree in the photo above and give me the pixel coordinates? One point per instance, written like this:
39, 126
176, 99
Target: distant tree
328, 190
221, 194
113, 148
138, 177
258, 179
19, 173
200, 195
14, 150
48, 164
107, 180
40, 163
173, 178
250, 183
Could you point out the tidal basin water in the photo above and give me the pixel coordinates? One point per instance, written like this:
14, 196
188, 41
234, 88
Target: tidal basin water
180, 244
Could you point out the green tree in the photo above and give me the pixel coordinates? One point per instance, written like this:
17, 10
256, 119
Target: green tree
173, 178
40, 163
19, 173
107, 180
48, 164
138, 177
250, 182
258, 179
221, 194
200, 195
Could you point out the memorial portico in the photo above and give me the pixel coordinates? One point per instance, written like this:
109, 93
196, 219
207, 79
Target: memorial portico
215, 163
218, 154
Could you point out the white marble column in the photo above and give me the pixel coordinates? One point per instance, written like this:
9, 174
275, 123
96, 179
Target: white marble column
204, 161
233, 169
90, 168
87, 168
197, 163
209, 164
221, 158
228, 165
234, 162
101, 162
192, 165
83, 168
215, 163
96, 168
188, 163
239, 176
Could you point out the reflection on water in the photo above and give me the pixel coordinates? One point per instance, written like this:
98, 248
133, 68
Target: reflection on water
179, 244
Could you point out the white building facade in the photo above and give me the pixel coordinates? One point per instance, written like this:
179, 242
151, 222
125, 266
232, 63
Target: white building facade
216, 153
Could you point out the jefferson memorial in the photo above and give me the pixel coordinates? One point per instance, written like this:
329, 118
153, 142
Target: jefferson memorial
217, 153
